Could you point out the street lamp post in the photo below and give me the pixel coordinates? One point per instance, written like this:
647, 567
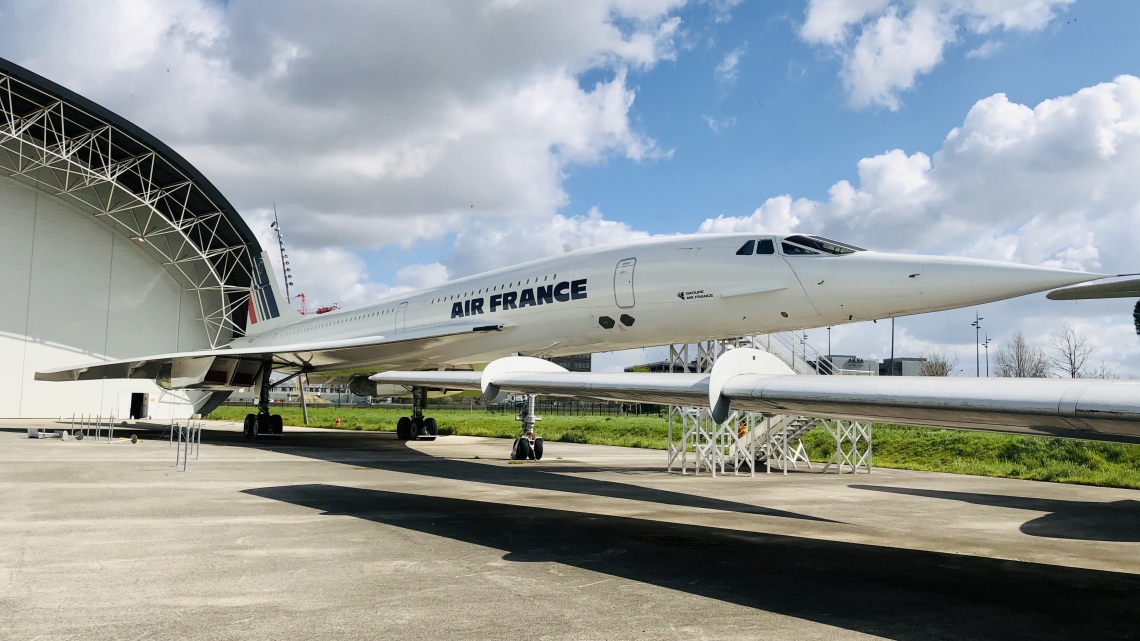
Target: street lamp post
892, 347
986, 344
830, 362
977, 325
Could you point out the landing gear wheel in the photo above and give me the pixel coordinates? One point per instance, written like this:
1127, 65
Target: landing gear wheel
250, 422
276, 425
538, 449
521, 451
262, 426
426, 430
404, 428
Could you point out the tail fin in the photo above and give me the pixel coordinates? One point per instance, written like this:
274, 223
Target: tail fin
267, 307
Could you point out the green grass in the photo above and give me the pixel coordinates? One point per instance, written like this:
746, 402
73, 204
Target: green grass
647, 432
1004, 455
896, 446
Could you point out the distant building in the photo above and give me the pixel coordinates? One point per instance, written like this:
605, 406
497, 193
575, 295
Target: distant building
902, 367
574, 362
854, 363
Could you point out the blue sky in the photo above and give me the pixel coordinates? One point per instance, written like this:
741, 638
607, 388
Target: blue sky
794, 132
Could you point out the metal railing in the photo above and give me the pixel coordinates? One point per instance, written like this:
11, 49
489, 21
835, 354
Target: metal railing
799, 355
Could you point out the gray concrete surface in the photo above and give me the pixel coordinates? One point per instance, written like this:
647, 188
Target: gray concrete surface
344, 535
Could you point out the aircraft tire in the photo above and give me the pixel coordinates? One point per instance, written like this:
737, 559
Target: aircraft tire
538, 449
262, 425
404, 428
276, 424
247, 428
522, 449
431, 427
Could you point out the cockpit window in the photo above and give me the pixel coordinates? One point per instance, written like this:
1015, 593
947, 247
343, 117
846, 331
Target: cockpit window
765, 246
821, 244
795, 250
746, 248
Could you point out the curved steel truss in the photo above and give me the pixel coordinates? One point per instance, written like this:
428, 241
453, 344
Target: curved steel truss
64, 145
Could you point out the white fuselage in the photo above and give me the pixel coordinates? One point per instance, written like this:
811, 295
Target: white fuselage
668, 290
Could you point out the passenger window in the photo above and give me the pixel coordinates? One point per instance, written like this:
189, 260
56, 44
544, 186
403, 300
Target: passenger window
765, 246
795, 250
746, 248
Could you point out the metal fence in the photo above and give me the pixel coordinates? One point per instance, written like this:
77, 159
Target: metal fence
548, 407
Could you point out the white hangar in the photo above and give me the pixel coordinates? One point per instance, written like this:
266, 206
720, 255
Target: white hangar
111, 246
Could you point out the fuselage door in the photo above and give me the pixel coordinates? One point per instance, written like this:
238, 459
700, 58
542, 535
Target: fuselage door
623, 283
400, 312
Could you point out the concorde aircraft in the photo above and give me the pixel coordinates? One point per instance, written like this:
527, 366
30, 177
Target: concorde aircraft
491, 331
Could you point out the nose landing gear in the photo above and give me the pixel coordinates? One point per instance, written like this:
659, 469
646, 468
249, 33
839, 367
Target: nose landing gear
416, 427
527, 446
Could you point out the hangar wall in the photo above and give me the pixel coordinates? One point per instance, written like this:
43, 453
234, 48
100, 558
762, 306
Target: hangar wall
73, 292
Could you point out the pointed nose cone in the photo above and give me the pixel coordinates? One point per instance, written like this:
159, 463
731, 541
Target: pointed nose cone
952, 282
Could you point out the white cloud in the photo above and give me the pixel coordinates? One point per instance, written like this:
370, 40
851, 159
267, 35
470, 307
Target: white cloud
985, 50
719, 124
726, 71
422, 275
368, 123
1051, 185
721, 10
885, 45
486, 245
325, 275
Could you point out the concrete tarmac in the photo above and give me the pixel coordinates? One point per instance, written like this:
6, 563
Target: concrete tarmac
346, 535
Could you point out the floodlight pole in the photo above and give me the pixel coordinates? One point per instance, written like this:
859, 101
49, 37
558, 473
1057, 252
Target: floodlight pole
892, 346
977, 324
986, 344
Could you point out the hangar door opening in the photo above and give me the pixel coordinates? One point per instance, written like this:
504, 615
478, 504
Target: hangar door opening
138, 406
623, 283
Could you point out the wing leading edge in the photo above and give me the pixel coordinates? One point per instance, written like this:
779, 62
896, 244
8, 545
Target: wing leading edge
1077, 408
231, 368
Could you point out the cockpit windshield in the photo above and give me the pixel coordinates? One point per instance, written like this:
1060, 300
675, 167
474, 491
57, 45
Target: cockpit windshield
819, 243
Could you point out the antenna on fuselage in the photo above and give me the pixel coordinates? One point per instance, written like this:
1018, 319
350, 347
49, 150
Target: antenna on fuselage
285, 270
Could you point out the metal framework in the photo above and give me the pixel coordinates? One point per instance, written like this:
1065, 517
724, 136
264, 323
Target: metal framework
853, 446
749, 438
64, 145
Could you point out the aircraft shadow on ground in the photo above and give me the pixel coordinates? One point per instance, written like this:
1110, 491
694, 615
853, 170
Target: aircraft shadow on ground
1115, 521
395, 456
891, 592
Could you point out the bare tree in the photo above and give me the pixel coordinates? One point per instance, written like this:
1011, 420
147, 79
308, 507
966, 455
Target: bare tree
1071, 351
1017, 358
1104, 371
937, 364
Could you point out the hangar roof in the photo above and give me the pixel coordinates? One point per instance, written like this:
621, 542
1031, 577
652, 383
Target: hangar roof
62, 143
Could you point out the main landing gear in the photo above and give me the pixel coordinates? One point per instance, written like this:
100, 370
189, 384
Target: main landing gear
263, 424
527, 446
416, 427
